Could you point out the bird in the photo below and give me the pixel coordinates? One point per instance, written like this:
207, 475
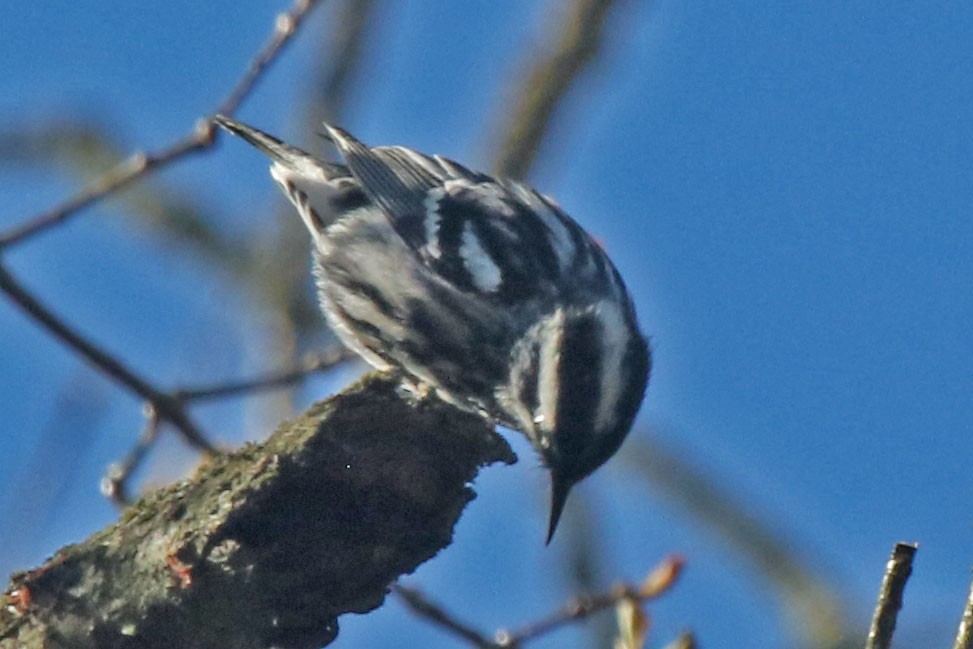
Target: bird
478, 288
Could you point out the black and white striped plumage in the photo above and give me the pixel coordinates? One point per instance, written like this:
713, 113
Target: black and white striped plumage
482, 289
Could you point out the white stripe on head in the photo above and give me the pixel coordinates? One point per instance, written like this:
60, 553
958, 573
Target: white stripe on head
551, 336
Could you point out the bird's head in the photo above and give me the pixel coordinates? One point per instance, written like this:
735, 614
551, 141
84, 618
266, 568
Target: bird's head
577, 381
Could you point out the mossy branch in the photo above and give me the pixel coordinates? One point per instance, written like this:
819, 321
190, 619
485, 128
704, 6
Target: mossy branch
267, 546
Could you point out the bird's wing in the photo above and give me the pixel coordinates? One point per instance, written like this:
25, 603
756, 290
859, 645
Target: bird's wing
480, 234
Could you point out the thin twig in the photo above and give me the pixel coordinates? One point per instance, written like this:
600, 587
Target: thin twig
129, 170
162, 406
897, 572
311, 364
89, 148
167, 407
425, 608
285, 27
202, 136
114, 485
658, 581
964, 635
547, 82
575, 610
806, 594
583, 558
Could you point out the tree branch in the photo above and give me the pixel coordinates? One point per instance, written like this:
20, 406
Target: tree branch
897, 572
285, 27
267, 546
964, 635
546, 84
201, 137
814, 606
657, 582
165, 406
425, 608
311, 364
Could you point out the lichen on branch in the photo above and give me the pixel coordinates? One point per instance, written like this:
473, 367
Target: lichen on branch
268, 545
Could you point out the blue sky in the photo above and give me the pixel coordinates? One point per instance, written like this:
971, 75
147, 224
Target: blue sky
786, 188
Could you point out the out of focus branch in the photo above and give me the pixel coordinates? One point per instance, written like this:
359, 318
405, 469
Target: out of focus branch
583, 555
115, 483
814, 607
160, 406
547, 82
131, 169
285, 26
293, 316
266, 546
658, 582
340, 59
438, 615
310, 364
89, 147
686, 640
163, 407
168, 408
201, 137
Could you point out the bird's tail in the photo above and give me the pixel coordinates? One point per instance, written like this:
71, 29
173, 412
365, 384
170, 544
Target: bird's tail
321, 191
284, 154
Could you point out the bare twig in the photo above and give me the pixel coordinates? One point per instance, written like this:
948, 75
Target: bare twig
295, 318
115, 483
659, 581
964, 635
131, 169
425, 608
160, 406
806, 595
285, 27
897, 572
547, 82
89, 148
168, 408
201, 137
311, 364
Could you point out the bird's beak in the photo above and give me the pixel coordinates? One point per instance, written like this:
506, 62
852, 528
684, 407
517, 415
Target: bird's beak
560, 488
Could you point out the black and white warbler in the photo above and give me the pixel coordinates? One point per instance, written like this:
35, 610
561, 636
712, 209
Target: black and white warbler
480, 288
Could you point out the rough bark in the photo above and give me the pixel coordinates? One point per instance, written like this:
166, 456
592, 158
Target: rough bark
267, 546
